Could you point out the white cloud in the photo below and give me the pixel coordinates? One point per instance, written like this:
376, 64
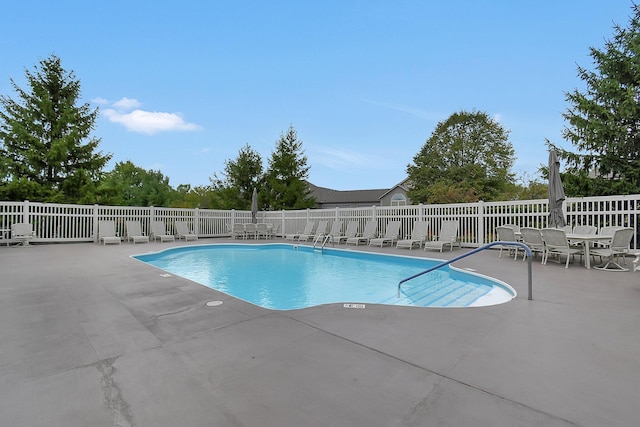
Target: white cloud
148, 122
100, 101
126, 104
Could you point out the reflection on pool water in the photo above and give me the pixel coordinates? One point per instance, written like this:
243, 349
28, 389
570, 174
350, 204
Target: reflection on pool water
285, 277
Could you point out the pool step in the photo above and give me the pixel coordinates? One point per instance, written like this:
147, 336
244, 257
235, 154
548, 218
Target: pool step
442, 292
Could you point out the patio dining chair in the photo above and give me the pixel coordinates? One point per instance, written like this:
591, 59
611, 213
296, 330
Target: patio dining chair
250, 230
532, 237
619, 247
507, 234
22, 232
237, 231
556, 243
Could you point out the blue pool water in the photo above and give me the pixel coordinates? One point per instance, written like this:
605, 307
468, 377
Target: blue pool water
285, 277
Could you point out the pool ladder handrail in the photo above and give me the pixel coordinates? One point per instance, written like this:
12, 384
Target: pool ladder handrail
526, 248
325, 239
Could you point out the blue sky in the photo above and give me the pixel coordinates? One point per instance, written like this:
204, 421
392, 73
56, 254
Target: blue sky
182, 86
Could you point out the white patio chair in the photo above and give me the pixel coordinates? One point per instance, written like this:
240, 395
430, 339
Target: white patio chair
507, 234
22, 232
159, 231
262, 230
619, 247
107, 233
448, 236
308, 229
237, 231
183, 231
390, 235
250, 230
134, 233
370, 230
418, 235
351, 231
556, 243
320, 231
532, 237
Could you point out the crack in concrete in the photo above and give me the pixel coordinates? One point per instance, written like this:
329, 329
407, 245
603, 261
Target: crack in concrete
122, 415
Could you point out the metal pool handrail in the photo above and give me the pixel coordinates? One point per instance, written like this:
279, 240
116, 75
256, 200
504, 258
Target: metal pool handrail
526, 248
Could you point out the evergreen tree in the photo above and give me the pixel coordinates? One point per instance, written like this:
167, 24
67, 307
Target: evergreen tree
45, 144
287, 174
467, 158
604, 120
241, 176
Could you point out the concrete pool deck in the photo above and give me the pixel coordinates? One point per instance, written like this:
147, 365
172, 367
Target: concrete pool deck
90, 337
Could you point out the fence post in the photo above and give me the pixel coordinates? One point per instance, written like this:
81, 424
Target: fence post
96, 231
480, 236
196, 220
25, 211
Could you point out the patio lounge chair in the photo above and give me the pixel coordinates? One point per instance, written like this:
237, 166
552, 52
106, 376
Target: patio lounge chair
448, 236
390, 235
22, 232
370, 230
351, 231
532, 237
159, 231
183, 231
556, 243
134, 233
107, 233
418, 235
320, 231
507, 234
619, 247
308, 229
336, 228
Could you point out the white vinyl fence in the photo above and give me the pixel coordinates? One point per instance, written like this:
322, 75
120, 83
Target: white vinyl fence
78, 223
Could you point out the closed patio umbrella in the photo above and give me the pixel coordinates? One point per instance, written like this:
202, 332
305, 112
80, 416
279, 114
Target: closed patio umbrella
254, 206
556, 192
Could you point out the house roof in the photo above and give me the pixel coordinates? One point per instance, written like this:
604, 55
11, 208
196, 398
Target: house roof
326, 195
403, 185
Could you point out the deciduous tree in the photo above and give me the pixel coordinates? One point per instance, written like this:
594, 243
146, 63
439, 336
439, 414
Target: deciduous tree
131, 185
467, 158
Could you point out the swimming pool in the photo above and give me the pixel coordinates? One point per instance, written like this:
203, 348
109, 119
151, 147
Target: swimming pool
285, 277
